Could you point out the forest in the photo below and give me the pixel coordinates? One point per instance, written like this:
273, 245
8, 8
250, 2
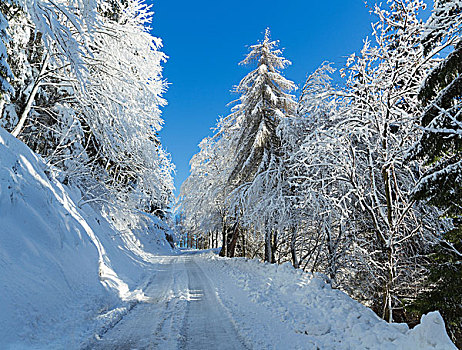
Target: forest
356, 174
81, 85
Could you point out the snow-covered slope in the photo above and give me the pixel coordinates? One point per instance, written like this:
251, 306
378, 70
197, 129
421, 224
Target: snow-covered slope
61, 265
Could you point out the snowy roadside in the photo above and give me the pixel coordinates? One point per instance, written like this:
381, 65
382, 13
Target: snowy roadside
66, 270
275, 305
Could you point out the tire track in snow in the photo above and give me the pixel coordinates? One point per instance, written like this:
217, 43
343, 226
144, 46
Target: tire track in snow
140, 328
207, 324
183, 312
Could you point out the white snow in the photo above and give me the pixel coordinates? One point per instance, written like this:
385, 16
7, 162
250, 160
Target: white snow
201, 301
72, 278
61, 266
277, 305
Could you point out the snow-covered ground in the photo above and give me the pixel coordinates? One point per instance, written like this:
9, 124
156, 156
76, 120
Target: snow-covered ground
73, 278
201, 301
65, 271
276, 305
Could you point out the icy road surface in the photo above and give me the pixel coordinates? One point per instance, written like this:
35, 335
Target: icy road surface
183, 312
200, 301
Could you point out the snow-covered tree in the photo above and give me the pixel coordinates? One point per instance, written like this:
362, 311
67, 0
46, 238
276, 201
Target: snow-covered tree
440, 147
65, 29
121, 99
317, 178
238, 177
378, 128
264, 101
258, 171
90, 104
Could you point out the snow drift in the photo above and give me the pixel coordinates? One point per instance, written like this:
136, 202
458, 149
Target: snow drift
61, 265
276, 305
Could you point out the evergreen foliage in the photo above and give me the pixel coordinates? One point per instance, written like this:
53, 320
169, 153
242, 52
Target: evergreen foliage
444, 284
440, 148
264, 102
240, 170
5, 71
440, 145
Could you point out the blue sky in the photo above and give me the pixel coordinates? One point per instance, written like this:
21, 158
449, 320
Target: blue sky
205, 41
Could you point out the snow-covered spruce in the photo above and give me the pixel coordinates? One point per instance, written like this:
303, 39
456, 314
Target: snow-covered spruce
239, 171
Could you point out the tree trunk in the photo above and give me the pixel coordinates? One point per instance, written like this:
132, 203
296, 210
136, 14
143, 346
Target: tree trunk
293, 249
2, 106
388, 302
331, 259
274, 239
232, 243
223, 245
388, 288
31, 98
268, 246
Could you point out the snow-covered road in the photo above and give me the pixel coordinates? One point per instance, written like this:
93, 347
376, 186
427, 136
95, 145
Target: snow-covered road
182, 312
206, 325
201, 301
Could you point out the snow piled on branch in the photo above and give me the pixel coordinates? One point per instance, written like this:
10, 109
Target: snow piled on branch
61, 266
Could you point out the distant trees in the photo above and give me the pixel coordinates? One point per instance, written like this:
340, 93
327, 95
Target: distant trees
204, 191
332, 182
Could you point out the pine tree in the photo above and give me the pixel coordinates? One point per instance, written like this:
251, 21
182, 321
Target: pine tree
444, 285
5, 71
440, 147
237, 181
265, 100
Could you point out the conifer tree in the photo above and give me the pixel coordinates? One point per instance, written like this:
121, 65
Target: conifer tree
265, 100
237, 181
440, 147
5, 71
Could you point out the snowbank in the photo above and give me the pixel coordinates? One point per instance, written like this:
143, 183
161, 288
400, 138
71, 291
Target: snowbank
307, 313
60, 265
